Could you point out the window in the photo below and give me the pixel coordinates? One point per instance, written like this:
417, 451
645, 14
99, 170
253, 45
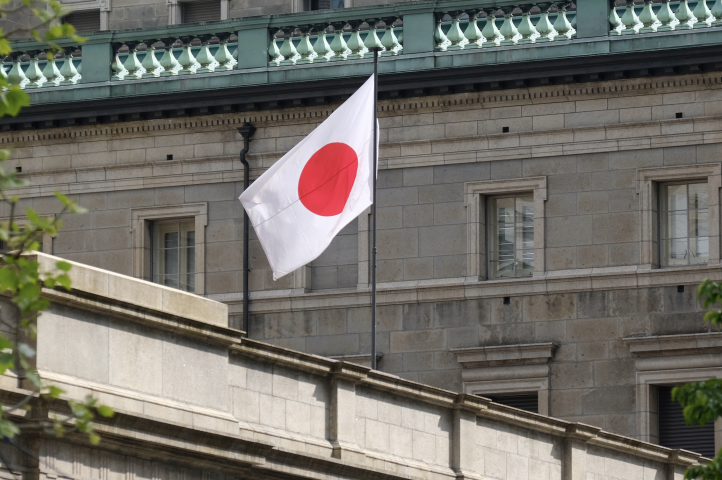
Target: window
204, 11
174, 250
684, 233
676, 227
528, 402
169, 245
84, 21
511, 236
326, 4
674, 431
505, 227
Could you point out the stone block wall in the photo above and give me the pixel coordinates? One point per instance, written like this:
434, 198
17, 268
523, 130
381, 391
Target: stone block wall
588, 141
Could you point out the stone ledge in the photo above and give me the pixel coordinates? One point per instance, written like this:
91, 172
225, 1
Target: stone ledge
505, 355
668, 345
121, 289
463, 288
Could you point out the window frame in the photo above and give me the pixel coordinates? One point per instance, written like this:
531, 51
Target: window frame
477, 194
491, 222
648, 188
154, 252
141, 225
47, 246
660, 221
104, 6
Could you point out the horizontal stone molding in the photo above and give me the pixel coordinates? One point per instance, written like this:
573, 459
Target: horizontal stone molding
666, 345
505, 355
484, 148
461, 288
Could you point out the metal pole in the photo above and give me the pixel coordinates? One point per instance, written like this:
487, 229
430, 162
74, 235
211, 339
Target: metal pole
246, 132
373, 214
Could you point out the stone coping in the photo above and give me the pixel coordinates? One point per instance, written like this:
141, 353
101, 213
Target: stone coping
480, 406
505, 355
665, 345
134, 292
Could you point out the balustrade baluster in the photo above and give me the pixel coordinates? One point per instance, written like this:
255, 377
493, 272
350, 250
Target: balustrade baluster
355, 44
442, 42
273, 52
455, 35
372, 39
526, 28
33, 73
338, 44
561, 24
288, 49
629, 19
305, 49
223, 55
132, 64
614, 20
648, 18
68, 71
666, 17
150, 63
702, 14
490, 32
544, 27
508, 29
321, 46
119, 71
389, 41
204, 58
168, 61
16, 75
3, 73
684, 16
717, 13
189, 64
472, 33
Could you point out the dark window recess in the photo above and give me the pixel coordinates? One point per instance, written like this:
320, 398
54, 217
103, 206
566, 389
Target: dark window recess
19, 169
504, 129
326, 4
507, 300
680, 115
206, 11
675, 433
85, 21
680, 288
527, 401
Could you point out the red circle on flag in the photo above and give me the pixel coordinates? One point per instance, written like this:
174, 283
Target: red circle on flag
327, 179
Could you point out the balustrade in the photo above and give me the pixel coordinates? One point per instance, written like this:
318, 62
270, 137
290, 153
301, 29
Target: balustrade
503, 26
663, 16
345, 35
352, 40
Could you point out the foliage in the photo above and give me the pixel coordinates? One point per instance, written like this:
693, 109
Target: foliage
20, 276
46, 28
702, 401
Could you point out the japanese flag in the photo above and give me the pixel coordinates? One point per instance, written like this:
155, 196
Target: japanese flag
299, 204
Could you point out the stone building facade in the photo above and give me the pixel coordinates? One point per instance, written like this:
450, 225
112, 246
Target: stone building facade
193, 399
592, 312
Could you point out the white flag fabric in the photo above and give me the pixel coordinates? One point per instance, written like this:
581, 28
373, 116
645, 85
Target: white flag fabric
299, 204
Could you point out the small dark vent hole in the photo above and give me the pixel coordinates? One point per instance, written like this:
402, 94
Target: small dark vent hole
169, 157
679, 115
680, 288
18, 169
504, 129
507, 300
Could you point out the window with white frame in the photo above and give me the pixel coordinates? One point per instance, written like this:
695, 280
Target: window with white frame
505, 227
169, 245
511, 236
684, 224
174, 251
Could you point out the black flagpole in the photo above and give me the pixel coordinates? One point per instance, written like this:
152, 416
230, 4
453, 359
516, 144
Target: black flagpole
373, 215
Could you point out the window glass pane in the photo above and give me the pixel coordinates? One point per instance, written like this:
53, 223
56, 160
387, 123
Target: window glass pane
698, 250
698, 223
676, 197
675, 225
698, 196
675, 251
